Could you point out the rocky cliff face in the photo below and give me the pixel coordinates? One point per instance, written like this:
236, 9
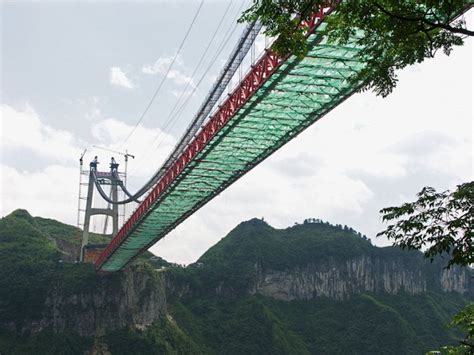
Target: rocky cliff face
459, 280
133, 298
339, 281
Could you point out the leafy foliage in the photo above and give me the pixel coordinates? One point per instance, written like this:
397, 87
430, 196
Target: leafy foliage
45, 342
27, 264
394, 33
465, 321
365, 324
162, 337
280, 21
441, 221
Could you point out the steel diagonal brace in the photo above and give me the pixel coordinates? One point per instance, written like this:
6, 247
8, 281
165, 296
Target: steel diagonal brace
207, 176
323, 49
283, 109
306, 89
203, 168
252, 139
287, 95
296, 112
312, 99
243, 159
266, 107
284, 122
338, 59
294, 86
336, 63
247, 149
336, 47
278, 122
323, 71
230, 152
256, 129
321, 103
261, 132
312, 81
318, 77
202, 181
311, 65
219, 163
305, 81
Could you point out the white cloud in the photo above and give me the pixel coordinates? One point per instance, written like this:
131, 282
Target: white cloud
51, 192
178, 76
159, 67
119, 78
23, 131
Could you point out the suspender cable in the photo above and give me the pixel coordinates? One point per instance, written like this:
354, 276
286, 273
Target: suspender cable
236, 58
178, 52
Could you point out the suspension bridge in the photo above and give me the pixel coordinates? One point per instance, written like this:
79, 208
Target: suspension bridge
276, 100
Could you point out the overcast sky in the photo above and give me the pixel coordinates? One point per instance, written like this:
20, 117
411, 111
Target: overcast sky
77, 74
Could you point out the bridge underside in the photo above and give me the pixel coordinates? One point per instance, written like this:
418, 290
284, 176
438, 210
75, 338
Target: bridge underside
298, 93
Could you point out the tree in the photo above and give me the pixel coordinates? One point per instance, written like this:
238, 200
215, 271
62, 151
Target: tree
464, 320
395, 33
441, 222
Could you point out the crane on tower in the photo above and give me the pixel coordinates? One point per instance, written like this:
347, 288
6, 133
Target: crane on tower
126, 155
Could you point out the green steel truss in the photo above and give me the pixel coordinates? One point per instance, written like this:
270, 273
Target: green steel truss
300, 92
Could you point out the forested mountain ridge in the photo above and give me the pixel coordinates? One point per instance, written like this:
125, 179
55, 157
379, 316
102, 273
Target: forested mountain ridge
319, 259
310, 288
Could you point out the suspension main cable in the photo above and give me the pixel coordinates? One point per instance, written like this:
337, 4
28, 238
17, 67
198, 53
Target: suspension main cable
172, 111
220, 82
178, 52
236, 57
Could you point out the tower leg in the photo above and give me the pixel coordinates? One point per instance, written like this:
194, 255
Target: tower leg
90, 211
115, 207
87, 217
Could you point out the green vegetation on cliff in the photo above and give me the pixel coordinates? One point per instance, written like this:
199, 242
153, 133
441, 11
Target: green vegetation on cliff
363, 324
223, 303
30, 265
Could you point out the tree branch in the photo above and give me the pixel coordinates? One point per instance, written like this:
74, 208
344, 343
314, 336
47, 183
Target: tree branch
444, 26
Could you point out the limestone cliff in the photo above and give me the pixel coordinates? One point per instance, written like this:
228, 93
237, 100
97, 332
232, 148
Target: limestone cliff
340, 280
133, 298
320, 260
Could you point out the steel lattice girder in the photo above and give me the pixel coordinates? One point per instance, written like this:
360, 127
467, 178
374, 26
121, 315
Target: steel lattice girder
275, 101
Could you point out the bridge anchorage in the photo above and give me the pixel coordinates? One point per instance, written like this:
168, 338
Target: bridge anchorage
98, 180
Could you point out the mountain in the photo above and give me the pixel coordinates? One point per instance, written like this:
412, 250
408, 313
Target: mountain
318, 259
310, 288
318, 288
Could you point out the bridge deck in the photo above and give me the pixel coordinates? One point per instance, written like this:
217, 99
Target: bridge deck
277, 100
